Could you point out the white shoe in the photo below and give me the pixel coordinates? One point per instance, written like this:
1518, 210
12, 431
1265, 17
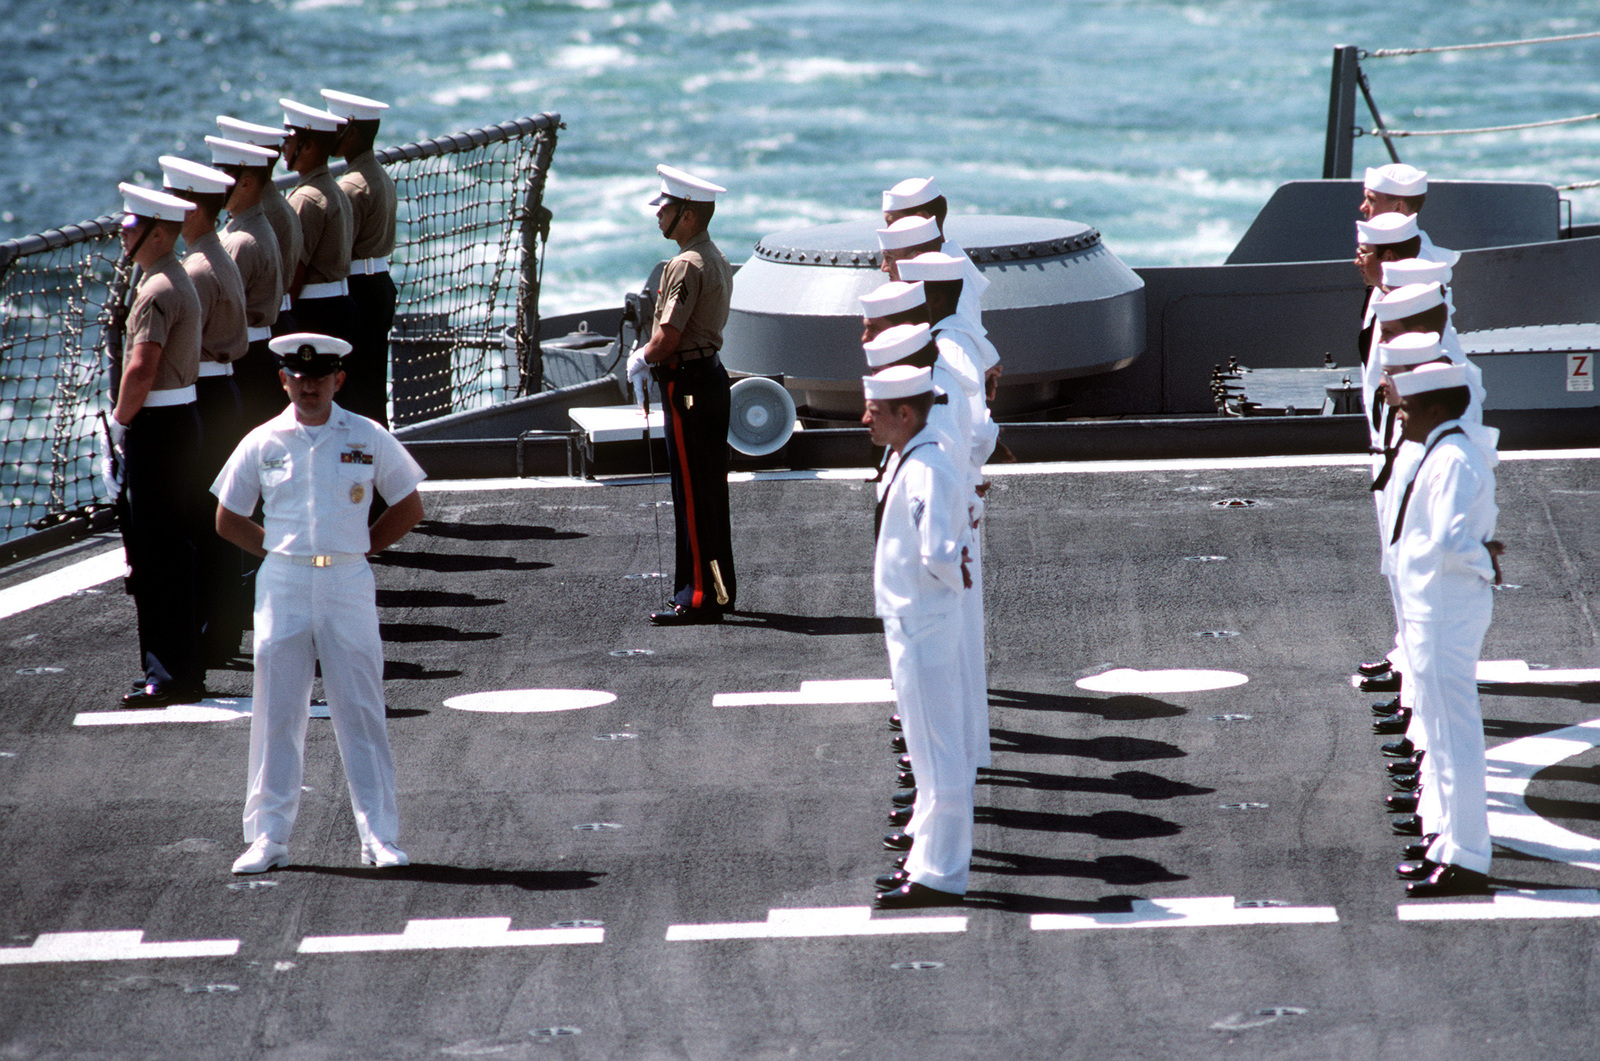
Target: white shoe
384, 856
262, 855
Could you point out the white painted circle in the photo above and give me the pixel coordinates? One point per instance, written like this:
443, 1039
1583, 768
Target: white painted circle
1146, 682
530, 701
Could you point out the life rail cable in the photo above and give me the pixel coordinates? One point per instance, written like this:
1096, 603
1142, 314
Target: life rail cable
1390, 53
1396, 133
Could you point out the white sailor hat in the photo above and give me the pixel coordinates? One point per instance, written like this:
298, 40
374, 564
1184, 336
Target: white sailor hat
1430, 378
181, 175
300, 116
910, 193
238, 153
147, 202
1408, 301
898, 381
909, 232
676, 184
894, 297
897, 343
1413, 348
1415, 271
349, 105
1397, 178
309, 353
931, 265
1386, 228
250, 132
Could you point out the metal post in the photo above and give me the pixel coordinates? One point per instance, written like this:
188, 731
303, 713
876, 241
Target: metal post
1339, 155
535, 223
1366, 93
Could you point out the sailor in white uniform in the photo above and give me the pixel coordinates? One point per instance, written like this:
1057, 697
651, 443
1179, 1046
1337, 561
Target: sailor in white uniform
1445, 565
1397, 188
919, 575
315, 467
921, 197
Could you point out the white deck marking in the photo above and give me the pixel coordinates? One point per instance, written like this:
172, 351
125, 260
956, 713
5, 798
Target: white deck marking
218, 709
847, 691
453, 933
817, 923
114, 946
1512, 823
1517, 672
1127, 681
1199, 912
1518, 905
530, 701
102, 567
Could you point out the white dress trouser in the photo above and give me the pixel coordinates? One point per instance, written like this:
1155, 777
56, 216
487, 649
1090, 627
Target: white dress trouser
924, 663
975, 671
1444, 663
304, 614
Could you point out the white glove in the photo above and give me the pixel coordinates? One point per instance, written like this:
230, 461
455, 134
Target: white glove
113, 457
638, 374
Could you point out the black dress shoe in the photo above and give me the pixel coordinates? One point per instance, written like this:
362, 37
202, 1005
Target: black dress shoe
1386, 707
676, 616
900, 861
894, 722
1388, 682
1418, 848
1413, 765
890, 881
906, 779
896, 841
897, 743
1399, 749
899, 816
905, 762
1406, 825
1405, 782
1415, 869
148, 696
1448, 880
1401, 803
1374, 667
1395, 723
914, 897
904, 798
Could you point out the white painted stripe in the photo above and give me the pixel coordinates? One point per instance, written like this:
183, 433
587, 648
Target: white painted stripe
102, 567
218, 709
1127, 681
530, 701
1518, 905
453, 933
817, 923
1200, 912
111, 947
1512, 823
847, 691
1517, 671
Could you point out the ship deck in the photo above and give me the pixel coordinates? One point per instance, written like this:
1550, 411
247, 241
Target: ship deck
1196, 874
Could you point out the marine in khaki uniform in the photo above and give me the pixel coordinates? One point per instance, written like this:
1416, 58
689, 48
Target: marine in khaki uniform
251, 242
319, 291
280, 215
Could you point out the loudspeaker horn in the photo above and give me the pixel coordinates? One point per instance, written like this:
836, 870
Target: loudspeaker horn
760, 416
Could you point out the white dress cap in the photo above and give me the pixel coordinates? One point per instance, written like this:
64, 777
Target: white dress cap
1415, 271
181, 175
1386, 228
299, 116
909, 232
319, 343
899, 381
250, 132
1412, 348
932, 266
1408, 301
894, 297
238, 153
147, 202
1397, 178
677, 184
910, 193
349, 105
1430, 378
897, 344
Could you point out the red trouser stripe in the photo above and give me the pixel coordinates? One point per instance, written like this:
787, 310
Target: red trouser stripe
697, 600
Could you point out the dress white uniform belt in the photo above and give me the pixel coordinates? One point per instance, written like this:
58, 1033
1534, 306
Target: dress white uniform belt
215, 368
255, 335
175, 396
322, 559
331, 289
365, 266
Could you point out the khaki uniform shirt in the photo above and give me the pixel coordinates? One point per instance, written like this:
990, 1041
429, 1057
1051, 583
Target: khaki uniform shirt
250, 242
286, 227
696, 287
325, 228
373, 205
166, 310
220, 289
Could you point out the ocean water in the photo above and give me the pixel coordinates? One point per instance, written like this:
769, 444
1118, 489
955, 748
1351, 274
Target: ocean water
1164, 124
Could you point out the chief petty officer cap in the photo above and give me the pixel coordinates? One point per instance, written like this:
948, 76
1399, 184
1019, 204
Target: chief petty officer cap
1385, 229
676, 185
309, 353
910, 193
931, 266
239, 153
896, 296
1413, 348
349, 105
898, 381
300, 116
1430, 378
1408, 301
250, 132
1397, 178
896, 344
147, 202
908, 232
1415, 271
181, 175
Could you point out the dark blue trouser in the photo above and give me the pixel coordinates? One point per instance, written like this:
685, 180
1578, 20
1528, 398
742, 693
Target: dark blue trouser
220, 583
694, 401
366, 390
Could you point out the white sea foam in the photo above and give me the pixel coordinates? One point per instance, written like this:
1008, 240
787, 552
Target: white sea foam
592, 58
449, 97
493, 61
803, 72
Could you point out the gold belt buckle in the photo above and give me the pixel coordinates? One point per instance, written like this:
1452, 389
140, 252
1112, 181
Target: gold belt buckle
322, 561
